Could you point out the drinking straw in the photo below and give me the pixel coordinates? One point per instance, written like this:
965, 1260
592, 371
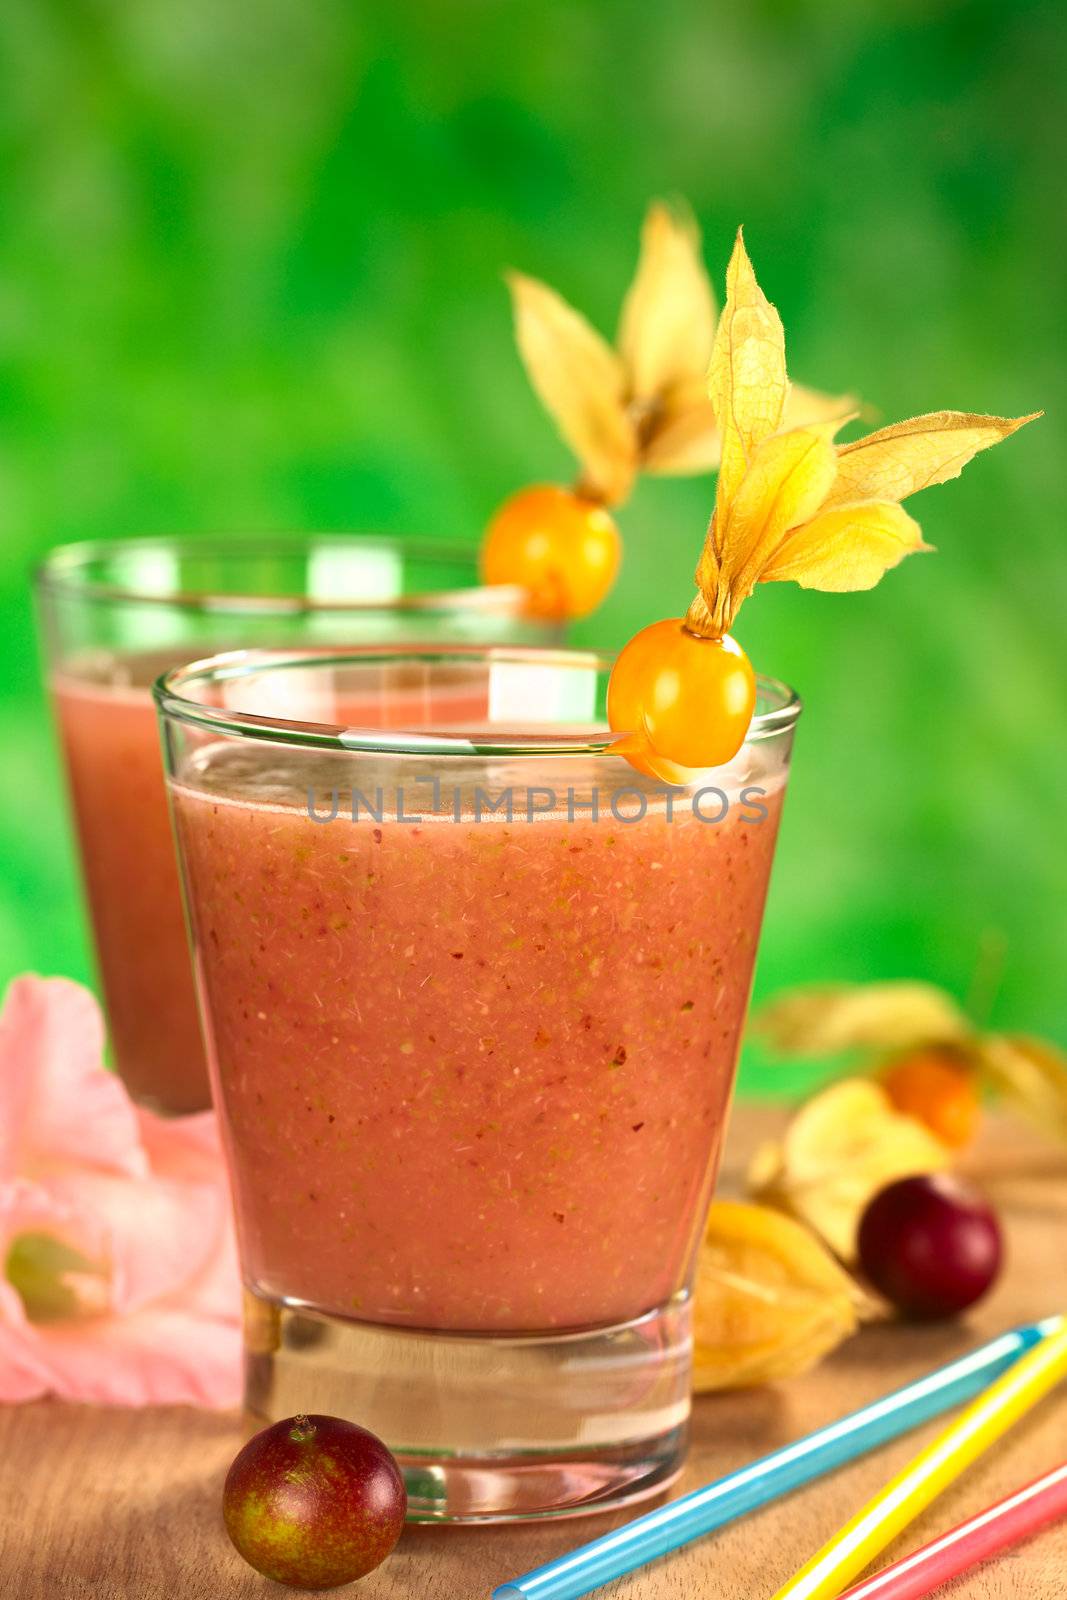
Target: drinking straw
993, 1530
671, 1526
931, 1472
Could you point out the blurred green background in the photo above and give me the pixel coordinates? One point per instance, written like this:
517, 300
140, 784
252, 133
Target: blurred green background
250, 262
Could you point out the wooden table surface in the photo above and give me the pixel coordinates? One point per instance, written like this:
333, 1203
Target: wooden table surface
124, 1505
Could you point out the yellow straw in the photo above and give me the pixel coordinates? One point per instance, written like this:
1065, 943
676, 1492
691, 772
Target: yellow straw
931, 1472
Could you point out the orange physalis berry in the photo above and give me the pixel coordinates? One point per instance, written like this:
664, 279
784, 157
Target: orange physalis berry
936, 1087
687, 700
562, 548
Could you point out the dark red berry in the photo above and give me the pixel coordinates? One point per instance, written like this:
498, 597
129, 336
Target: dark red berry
931, 1245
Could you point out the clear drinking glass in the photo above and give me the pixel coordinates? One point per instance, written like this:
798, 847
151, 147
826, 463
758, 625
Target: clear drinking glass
114, 616
473, 990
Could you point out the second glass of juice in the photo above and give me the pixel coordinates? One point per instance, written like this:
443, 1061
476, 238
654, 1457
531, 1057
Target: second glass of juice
473, 993
117, 614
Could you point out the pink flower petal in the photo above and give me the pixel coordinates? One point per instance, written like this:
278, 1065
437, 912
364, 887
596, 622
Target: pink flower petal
22, 1375
144, 1197
216, 1290
12, 1311
27, 1206
56, 1100
182, 1147
159, 1235
151, 1358
190, 1147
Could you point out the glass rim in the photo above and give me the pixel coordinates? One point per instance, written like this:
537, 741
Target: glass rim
780, 716
62, 571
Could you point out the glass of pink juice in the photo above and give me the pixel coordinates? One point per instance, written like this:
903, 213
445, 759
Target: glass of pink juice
114, 616
473, 992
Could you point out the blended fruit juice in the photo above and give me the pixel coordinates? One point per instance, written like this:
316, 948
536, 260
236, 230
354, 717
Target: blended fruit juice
473, 1071
116, 614
110, 743
109, 737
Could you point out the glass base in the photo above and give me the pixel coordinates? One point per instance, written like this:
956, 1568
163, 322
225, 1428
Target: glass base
489, 1428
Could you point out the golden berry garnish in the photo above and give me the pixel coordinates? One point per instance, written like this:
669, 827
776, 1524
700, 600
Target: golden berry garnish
638, 405
562, 548
687, 700
790, 504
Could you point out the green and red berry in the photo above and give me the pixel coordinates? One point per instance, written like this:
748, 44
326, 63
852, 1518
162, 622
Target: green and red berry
314, 1502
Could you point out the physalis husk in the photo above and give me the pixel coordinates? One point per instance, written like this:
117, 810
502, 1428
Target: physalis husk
792, 505
1030, 1075
769, 1302
821, 1019
900, 1021
642, 404
839, 1150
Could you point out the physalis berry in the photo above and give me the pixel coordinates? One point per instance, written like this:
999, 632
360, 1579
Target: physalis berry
789, 505
688, 699
638, 405
561, 547
937, 1086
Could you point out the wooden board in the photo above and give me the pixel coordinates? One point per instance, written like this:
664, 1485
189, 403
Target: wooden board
124, 1505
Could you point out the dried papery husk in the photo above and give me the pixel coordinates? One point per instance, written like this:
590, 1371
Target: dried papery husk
848, 548
908, 456
668, 316
847, 529
680, 438
1030, 1076
891, 1020
769, 1300
825, 1019
747, 381
643, 406
839, 1150
680, 435
804, 406
785, 482
581, 382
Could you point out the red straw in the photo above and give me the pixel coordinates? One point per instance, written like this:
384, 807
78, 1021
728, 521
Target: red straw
1004, 1524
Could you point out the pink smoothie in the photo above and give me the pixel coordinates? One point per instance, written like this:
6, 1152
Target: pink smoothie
473, 1076
110, 741
110, 745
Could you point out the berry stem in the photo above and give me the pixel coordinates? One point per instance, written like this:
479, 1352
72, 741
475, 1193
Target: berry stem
585, 489
700, 620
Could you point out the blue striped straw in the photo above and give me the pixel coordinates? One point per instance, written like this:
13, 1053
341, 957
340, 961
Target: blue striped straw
678, 1523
